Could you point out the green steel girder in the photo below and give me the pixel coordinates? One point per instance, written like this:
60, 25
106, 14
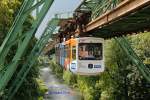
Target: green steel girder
32, 58
98, 7
6, 74
13, 32
103, 6
34, 6
126, 47
87, 4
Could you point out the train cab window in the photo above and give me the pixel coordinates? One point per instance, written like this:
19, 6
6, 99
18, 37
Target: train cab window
74, 52
90, 51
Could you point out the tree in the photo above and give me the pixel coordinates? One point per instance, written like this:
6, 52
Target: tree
8, 9
121, 77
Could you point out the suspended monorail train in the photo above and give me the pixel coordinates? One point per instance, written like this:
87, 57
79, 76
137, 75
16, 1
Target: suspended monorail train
83, 56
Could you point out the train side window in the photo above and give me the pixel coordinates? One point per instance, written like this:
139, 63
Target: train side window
74, 52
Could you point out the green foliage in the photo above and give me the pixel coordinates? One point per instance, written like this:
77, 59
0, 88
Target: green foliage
121, 77
40, 98
69, 78
42, 88
8, 9
141, 44
56, 69
89, 87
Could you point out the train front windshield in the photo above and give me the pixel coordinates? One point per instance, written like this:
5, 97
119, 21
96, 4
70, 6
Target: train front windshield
90, 51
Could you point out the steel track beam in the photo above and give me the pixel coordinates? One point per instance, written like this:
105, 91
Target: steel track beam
124, 8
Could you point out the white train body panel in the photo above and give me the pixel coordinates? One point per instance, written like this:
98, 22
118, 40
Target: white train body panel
88, 66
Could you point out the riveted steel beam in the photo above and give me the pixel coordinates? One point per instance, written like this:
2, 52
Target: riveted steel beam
36, 51
6, 75
124, 8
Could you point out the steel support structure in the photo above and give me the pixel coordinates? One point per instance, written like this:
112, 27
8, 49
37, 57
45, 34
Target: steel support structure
7, 70
124, 8
36, 51
126, 47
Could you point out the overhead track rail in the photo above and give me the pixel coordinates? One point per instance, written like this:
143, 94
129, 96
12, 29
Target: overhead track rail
124, 12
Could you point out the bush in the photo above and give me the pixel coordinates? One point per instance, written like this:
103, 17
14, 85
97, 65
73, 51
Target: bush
57, 69
69, 78
42, 88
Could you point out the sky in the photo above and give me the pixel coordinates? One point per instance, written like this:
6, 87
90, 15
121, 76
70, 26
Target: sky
59, 6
